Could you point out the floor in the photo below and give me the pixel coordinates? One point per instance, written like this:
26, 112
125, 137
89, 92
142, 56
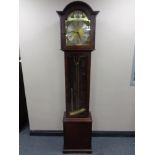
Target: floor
50, 145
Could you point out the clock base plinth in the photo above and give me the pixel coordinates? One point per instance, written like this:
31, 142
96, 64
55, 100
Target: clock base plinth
77, 151
77, 134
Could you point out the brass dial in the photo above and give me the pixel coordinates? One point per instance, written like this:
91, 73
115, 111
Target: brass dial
77, 29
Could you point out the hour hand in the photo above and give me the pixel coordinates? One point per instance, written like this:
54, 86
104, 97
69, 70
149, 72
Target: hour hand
79, 35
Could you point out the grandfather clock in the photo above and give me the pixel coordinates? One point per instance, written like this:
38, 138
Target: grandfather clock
77, 41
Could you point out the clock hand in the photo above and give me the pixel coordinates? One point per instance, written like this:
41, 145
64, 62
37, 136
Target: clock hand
79, 35
72, 31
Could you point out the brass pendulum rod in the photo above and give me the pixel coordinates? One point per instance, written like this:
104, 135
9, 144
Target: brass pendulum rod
72, 104
77, 61
77, 74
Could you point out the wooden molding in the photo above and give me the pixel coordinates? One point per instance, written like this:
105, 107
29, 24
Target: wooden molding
94, 133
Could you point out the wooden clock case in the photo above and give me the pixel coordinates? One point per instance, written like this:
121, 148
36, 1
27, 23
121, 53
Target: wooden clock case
77, 128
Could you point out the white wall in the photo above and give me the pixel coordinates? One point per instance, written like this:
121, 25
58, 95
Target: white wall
112, 97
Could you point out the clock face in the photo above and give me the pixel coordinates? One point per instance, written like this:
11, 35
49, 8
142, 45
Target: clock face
77, 29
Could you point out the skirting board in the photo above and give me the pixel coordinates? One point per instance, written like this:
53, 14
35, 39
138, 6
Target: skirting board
94, 133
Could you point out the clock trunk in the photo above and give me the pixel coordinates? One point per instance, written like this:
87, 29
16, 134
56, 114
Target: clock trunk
77, 75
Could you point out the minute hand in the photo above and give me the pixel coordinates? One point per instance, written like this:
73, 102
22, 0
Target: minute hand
72, 31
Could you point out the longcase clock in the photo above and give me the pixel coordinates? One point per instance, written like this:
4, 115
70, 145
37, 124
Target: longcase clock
77, 24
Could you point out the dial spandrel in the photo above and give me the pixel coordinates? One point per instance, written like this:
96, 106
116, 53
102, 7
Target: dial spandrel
77, 28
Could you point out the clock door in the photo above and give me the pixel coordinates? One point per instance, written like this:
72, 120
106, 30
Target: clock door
77, 83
